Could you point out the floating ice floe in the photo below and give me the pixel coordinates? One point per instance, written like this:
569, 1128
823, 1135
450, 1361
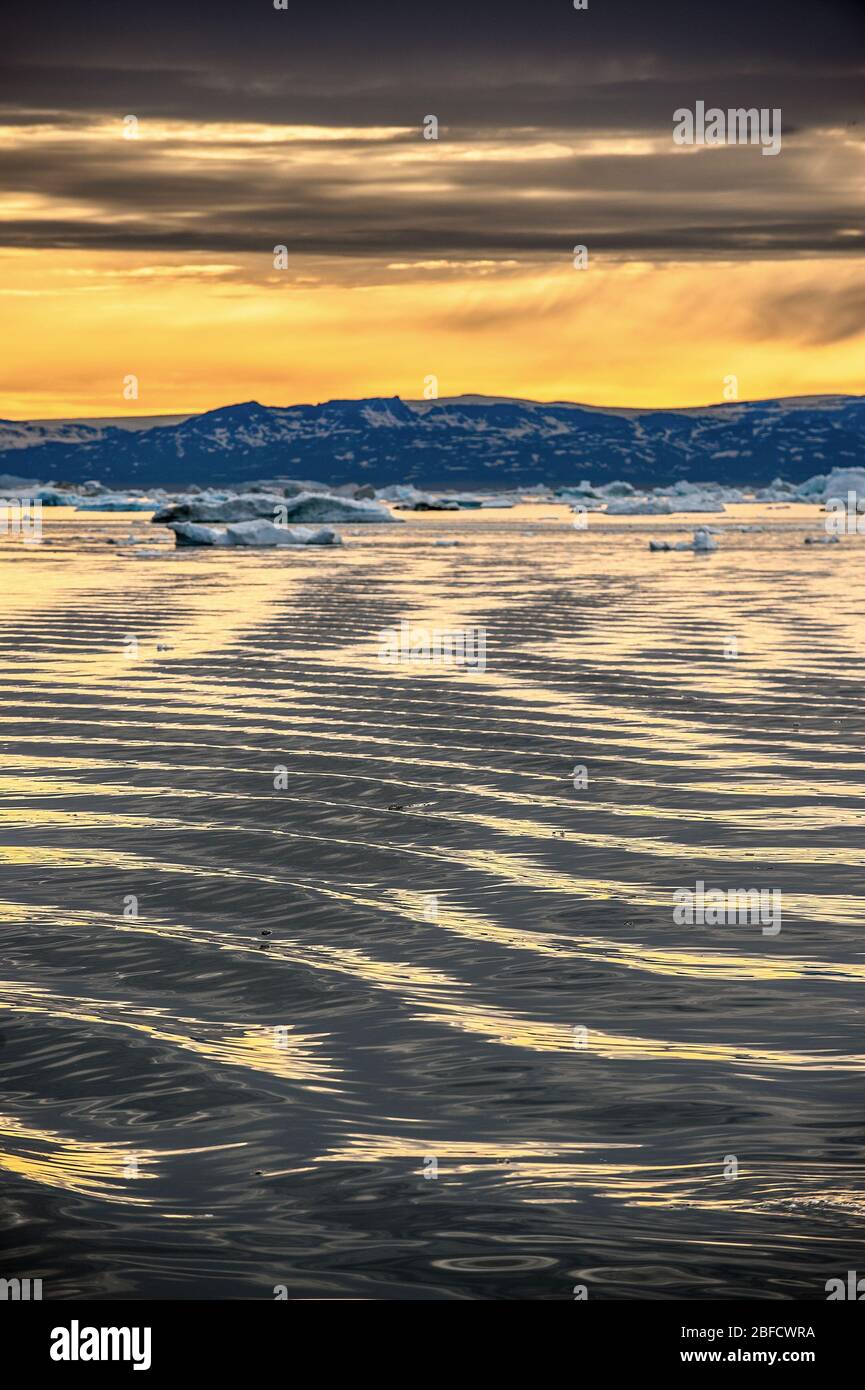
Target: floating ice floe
399, 492
813, 489
685, 488
580, 493
703, 542
55, 497
696, 502
426, 502
250, 506
639, 506
313, 506
260, 533
842, 481
777, 491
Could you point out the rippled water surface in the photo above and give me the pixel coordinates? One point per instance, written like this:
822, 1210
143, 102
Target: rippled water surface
412, 1018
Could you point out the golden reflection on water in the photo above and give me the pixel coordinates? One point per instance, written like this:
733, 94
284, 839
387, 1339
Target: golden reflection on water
793, 609
555, 1173
89, 1168
278, 1050
43, 1156
445, 1000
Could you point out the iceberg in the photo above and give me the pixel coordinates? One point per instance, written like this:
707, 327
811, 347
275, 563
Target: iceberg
814, 488
639, 506
703, 542
250, 506
582, 490
399, 492
467, 500
53, 497
321, 507
696, 502
260, 533
842, 481
426, 502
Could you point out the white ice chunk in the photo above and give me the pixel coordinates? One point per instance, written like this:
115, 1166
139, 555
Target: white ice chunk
259, 533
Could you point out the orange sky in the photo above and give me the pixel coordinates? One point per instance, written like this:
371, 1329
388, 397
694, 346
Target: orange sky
199, 333
214, 322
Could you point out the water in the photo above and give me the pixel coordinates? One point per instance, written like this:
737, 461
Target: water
243, 1024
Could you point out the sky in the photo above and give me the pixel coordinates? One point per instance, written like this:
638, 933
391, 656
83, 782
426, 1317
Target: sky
152, 156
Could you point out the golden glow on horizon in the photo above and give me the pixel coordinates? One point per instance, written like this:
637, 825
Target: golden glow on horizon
362, 315
204, 332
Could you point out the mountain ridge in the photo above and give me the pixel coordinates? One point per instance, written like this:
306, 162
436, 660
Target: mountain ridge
450, 442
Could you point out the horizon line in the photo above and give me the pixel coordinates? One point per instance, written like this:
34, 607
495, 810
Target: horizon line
177, 416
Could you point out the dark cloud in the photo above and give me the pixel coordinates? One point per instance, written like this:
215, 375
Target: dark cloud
250, 35
343, 199
488, 60
573, 91
520, 73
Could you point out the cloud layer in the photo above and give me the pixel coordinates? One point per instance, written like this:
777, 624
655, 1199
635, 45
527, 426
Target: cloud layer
258, 127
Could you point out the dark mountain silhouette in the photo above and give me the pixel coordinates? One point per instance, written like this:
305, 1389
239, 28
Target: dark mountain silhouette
463, 442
